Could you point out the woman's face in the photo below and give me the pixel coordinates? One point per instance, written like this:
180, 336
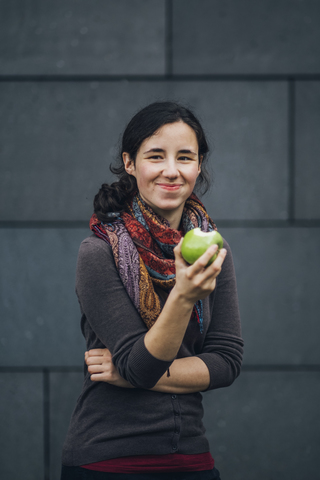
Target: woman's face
166, 169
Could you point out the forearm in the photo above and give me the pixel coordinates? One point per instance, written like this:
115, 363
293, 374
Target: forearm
187, 375
164, 339
193, 282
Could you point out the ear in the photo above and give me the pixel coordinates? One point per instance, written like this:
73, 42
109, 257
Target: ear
128, 164
200, 163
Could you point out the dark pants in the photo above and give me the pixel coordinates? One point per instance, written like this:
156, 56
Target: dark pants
78, 473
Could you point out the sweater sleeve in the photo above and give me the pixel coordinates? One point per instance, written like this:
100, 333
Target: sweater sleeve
112, 316
223, 347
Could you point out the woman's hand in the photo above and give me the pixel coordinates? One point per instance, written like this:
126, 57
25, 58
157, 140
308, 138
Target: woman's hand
101, 368
197, 281
193, 283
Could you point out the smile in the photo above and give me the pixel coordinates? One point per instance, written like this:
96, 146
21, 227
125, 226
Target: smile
171, 187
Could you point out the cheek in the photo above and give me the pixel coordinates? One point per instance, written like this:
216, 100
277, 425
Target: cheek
192, 175
144, 178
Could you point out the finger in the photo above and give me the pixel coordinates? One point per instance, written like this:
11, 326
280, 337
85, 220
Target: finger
96, 377
95, 360
214, 268
203, 261
95, 369
177, 249
179, 260
97, 351
220, 258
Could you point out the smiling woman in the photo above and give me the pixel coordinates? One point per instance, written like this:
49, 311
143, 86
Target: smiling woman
166, 168
145, 125
158, 330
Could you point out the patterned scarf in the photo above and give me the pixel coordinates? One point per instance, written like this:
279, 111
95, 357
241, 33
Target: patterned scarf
142, 243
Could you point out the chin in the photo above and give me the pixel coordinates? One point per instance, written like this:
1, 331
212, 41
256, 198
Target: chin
169, 204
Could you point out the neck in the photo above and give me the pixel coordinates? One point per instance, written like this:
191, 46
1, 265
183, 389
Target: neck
174, 220
172, 216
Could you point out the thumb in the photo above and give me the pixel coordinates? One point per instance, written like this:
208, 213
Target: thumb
177, 252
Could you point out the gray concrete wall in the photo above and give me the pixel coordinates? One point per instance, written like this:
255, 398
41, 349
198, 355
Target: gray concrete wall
72, 73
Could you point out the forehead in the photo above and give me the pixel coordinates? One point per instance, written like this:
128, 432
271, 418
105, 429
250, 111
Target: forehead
179, 135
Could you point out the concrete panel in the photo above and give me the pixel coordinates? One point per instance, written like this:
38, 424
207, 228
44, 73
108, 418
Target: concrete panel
72, 37
40, 315
266, 426
21, 433
246, 123
247, 37
59, 139
278, 284
307, 167
64, 391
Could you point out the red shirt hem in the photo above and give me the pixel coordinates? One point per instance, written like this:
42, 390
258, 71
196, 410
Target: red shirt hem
175, 462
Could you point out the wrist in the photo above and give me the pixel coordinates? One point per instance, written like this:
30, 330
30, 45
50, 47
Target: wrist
179, 298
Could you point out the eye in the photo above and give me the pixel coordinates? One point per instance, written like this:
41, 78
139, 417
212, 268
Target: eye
185, 158
156, 157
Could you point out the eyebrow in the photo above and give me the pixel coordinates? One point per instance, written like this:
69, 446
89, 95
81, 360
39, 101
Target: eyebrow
162, 151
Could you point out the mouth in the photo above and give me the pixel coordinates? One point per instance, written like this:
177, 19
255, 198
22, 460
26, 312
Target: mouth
170, 186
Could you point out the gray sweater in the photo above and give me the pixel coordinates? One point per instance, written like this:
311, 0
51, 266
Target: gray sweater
111, 422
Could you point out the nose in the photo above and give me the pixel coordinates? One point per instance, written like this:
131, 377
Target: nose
171, 168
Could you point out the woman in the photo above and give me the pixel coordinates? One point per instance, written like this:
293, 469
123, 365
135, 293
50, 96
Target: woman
158, 330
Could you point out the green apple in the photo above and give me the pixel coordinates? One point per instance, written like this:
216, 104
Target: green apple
196, 242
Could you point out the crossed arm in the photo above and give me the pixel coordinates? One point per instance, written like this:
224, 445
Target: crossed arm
163, 340
187, 375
